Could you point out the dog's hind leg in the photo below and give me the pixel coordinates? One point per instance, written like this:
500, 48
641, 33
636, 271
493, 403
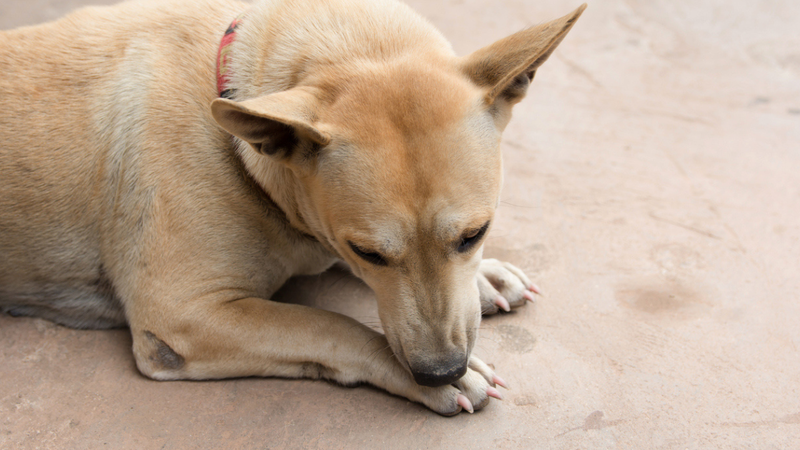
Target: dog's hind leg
255, 337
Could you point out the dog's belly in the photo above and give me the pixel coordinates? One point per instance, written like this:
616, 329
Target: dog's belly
50, 263
77, 303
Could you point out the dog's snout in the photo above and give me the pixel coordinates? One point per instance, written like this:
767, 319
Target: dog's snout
440, 371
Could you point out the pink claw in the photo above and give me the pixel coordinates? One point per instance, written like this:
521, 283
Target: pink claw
492, 392
528, 295
500, 382
465, 403
535, 289
502, 303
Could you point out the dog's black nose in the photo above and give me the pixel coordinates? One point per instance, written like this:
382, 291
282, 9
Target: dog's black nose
439, 373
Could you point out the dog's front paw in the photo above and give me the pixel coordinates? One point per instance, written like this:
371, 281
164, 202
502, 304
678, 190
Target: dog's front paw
503, 286
470, 393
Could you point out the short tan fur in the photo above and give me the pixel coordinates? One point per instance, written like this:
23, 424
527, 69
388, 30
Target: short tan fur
131, 195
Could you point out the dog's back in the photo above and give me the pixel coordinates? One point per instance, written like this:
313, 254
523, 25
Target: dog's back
73, 133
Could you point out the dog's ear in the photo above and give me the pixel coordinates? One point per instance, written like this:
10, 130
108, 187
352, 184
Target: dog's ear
506, 68
273, 124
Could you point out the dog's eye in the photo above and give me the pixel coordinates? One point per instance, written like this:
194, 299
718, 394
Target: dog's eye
471, 238
370, 257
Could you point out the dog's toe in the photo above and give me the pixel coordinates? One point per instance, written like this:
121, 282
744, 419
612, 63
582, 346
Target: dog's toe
478, 384
503, 286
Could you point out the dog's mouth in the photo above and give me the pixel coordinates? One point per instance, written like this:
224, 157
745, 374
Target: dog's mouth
432, 368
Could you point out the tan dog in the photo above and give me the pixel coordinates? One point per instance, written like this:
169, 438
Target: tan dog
124, 199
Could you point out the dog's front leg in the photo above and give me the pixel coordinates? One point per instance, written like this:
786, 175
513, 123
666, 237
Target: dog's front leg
503, 286
256, 337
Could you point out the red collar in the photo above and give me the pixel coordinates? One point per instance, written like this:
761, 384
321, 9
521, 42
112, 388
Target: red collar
223, 61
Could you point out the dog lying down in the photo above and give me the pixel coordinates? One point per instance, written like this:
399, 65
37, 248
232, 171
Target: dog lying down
163, 173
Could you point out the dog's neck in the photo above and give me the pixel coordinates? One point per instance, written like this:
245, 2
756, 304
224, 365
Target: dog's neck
277, 181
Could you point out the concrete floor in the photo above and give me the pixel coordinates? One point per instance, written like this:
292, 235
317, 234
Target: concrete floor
652, 191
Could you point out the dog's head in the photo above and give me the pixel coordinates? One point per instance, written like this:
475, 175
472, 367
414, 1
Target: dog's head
396, 167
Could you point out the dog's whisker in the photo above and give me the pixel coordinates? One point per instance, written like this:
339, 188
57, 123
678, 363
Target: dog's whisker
505, 203
377, 352
340, 279
385, 360
488, 339
368, 342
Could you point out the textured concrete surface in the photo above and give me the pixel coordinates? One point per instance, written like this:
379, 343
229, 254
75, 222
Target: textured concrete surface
653, 192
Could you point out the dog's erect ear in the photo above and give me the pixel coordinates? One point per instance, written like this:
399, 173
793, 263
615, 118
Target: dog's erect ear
506, 67
273, 124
